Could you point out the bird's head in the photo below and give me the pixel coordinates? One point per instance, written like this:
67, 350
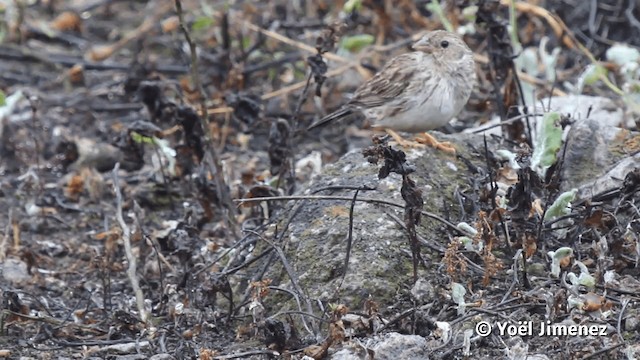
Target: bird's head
442, 45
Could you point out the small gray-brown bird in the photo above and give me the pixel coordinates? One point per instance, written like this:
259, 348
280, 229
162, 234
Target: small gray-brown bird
417, 91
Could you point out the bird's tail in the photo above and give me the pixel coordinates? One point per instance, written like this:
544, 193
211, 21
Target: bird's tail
338, 114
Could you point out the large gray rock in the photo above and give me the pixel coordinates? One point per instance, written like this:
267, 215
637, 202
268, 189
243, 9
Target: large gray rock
390, 346
598, 157
380, 261
380, 264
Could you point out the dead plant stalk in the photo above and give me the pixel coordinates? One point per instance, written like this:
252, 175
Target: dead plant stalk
126, 237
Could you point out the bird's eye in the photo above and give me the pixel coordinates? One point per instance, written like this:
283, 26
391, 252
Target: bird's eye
444, 44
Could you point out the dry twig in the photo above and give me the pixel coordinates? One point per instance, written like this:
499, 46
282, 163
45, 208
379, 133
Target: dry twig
126, 237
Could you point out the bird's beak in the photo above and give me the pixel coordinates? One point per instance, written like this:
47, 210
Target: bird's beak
422, 45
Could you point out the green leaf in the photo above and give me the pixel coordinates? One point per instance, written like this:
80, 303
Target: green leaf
511, 157
556, 256
593, 73
562, 205
9, 103
547, 144
585, 278
202, 23
562, 253
469, 13
351, 6
246, 42
457, 294
466, 228
357, 42
141, 139
469, 244
513, 27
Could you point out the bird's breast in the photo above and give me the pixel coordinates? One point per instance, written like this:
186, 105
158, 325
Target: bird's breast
430, 107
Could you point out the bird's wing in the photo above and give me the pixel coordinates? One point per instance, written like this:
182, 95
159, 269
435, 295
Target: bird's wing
388, 83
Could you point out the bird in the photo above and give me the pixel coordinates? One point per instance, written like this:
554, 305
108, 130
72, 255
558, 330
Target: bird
416, 91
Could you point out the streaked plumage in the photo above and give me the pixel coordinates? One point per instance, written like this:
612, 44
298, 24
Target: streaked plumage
417, 91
